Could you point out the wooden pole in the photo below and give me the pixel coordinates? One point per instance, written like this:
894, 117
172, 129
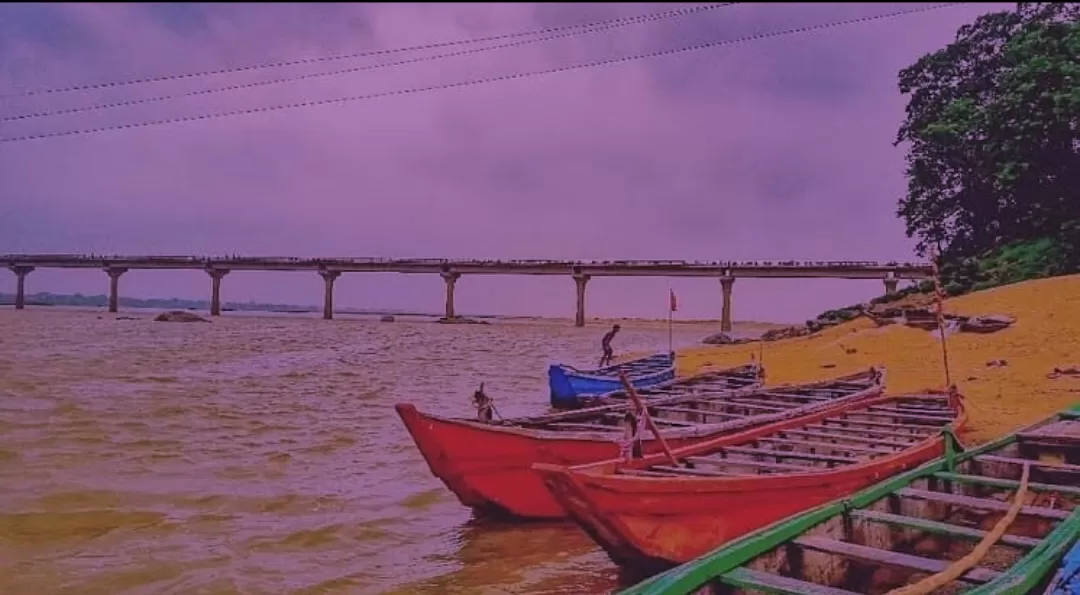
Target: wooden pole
939, 299
648, 420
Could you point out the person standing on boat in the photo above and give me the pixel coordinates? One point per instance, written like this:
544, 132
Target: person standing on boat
605, 344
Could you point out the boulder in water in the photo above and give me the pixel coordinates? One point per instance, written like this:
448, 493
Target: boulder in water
179, 316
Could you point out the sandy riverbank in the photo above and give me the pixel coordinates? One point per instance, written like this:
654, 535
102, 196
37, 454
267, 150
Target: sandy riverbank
1046, 335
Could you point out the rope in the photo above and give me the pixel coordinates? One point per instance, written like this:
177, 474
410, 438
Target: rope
959, 567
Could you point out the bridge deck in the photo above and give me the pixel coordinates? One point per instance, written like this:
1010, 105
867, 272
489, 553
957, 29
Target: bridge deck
657, 268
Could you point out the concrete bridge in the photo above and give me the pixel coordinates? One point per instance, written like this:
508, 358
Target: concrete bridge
452, 270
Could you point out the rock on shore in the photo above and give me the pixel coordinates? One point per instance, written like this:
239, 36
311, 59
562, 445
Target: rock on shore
179, 316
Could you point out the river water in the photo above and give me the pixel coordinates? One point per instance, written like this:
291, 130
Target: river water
261, 454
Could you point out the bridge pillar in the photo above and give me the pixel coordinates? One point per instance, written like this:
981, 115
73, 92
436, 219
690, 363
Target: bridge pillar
890, 285
581, 281
328, 293
726, 284
451, 280
215, 289
114, 287
20, 284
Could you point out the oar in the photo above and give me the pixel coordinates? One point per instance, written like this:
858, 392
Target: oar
648, 419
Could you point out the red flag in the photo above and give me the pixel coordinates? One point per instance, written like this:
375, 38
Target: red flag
674, 304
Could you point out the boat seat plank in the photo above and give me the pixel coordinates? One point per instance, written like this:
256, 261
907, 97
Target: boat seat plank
867, 431
696, 411
780, 454
671, 422
844, 420
643, 473
943, 410
981, 503
896, 414
887, 558
565, 425
746, 463
1064, 467
736, 402
827, 445
849, 438
938, 527
767, 582
781, 395
688, 471
1008, 484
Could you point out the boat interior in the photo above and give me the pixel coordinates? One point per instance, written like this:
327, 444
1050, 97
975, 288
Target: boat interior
922, 528
856, 435
697, 401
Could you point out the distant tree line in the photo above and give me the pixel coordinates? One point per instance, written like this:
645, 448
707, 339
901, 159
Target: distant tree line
993, 148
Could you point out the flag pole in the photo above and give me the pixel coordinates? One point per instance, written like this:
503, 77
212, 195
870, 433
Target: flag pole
671, 321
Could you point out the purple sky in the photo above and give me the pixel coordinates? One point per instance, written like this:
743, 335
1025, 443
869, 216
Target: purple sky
767, 150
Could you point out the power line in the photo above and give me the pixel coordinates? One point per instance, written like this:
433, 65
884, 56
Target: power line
130, 102
320, 59
480, 81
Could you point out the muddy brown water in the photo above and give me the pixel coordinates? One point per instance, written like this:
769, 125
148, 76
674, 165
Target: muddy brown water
261, 454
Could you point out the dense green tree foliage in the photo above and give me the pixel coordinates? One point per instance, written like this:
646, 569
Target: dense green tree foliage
993, 138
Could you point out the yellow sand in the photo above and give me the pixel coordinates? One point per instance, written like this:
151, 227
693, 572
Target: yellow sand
1046, 335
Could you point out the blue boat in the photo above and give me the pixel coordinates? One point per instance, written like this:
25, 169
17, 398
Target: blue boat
1067, 580
569, 385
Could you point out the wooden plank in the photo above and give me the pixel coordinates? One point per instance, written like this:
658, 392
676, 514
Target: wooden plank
931, 526
1008, 484
774, 394
943, 409
1047, 439
695, 411
677, 424
1063, 467
887, 558
686, 471
767, 582
848, 438
582, 426
739, 403
745, 463
843, 419
905, 416
826, 445
643, 473
981, 503
790, 455
867, 431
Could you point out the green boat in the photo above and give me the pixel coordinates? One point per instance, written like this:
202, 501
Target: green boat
915, 525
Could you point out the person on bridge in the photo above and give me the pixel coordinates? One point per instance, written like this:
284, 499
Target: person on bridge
605, 344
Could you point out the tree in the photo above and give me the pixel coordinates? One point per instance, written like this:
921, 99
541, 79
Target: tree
993, 134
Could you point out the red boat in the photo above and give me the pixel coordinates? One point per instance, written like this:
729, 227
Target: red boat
487, 464
653, 513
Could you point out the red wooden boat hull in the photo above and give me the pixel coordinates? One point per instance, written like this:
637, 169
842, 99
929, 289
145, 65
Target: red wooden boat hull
489, 467
650, 524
